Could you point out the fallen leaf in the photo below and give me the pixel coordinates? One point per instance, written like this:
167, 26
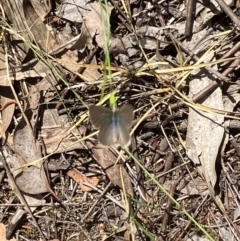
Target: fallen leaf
41, 9
30, 181
54, 129
79, 178
93, 26
74, 11
3, 80
38, 29
8, 107
205, 129
107, 161
197, 238
225, 233
196, 186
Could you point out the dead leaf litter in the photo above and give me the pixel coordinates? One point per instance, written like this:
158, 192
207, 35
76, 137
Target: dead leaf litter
177, 63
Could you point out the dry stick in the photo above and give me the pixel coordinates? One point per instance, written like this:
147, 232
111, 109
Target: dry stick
166, 216
129, 10
190, 7
232, 66
15, 220
211, 87
2, 174
122, 19
189, 52
44, 169
128, 24
96, 202
232, 51
229, 12
140, 176
168, 166
195, 57
80, 71
194, 215
20, 196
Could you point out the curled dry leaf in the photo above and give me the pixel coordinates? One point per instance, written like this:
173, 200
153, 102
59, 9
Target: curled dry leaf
80, 179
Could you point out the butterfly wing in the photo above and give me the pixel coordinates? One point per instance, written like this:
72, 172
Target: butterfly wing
123, 136
114, 126
99, 115
126, 115
108, 134
125, 122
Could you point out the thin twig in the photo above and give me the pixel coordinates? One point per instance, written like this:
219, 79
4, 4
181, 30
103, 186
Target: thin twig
190, 8
229, 12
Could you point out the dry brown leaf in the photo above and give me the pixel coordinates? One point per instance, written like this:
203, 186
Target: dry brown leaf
3, 81
54, 128
30, 181
107, 161
47, 83
205, 130
14, 164
91, 74
3, 233
24, 143
55, 141
41, 35
40, 9
93, 27
196, 186
8, 107
19, 75
74, 11
70, 60
79, 178
197, 238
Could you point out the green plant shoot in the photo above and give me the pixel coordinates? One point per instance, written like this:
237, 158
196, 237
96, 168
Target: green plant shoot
107, 61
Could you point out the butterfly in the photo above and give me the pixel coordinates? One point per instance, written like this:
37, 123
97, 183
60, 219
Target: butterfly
113, 125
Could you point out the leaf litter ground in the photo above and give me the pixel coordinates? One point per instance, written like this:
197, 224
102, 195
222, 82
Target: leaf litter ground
180, 73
